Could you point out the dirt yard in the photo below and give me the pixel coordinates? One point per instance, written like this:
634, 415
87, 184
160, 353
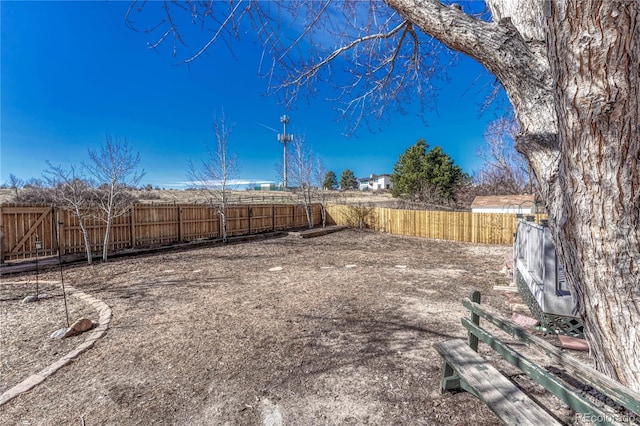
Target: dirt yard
333, 330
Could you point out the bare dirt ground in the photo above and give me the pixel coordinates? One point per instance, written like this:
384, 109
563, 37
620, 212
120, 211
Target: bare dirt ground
332, 330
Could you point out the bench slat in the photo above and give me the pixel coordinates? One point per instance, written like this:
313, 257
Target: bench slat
480, 378
550, 382
621, 394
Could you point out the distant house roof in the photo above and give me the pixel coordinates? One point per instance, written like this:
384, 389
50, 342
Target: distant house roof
373, 176
503, 201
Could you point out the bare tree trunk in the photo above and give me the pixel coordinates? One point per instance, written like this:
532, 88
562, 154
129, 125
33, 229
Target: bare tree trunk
308, 208
323, 213
107, 234
222, 212
85, 234
597, 216
87, 243
309, 211
223, 218
109, 213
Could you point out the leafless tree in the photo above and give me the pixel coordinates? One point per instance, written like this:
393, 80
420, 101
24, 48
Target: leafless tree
571, 71
73, 192
16, 184
302, 164
506, 170
115, 168
359, 215
217, 170
323, 193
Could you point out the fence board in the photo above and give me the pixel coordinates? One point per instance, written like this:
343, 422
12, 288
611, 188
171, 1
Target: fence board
156, 224
237, 221
284, 217
199, 223
261, 218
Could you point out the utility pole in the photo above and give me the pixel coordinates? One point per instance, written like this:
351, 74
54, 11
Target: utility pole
284, 138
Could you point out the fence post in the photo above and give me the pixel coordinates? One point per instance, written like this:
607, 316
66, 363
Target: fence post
59, 224
1, 237
132, 226
52, 234
273, 217
180, 225
473, 339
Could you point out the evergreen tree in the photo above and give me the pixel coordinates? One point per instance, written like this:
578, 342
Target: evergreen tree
330, 180
348, 180
426, 175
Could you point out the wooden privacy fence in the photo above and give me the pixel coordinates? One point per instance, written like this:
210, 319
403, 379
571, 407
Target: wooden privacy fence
21, 226
486, 228
151, 225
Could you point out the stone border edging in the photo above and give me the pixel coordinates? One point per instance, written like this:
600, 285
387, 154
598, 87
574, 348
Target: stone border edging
104, 318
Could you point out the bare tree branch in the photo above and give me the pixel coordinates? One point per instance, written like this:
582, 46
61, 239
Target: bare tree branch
505, 171
230, 17
305, 43
308, 74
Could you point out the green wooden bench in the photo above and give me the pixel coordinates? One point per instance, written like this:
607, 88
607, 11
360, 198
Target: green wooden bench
464, 369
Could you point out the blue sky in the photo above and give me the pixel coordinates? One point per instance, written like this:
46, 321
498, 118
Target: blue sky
72, 72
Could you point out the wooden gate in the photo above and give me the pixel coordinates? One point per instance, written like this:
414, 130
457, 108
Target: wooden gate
20, 228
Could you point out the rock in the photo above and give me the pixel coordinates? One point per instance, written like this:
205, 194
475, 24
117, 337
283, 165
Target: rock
519, 307
80, 326
271, 415
506, 271
60, 334
523, 320
30, 299
574, 343
506, 289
